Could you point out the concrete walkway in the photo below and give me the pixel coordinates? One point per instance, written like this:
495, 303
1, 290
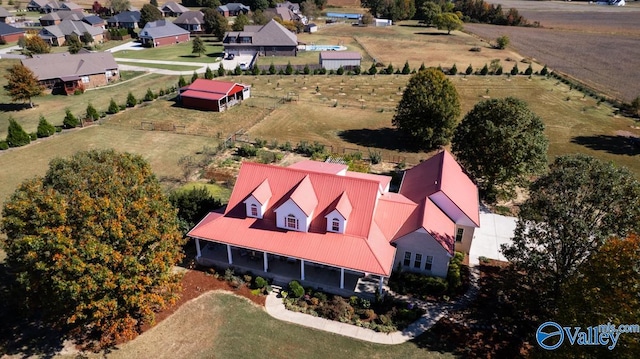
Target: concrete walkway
275, 308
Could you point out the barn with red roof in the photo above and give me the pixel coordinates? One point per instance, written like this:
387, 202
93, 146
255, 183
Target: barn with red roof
343, 231
213, 95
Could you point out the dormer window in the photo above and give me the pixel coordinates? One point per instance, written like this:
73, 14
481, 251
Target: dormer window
256, 203
335, 225
291, 222
254, 210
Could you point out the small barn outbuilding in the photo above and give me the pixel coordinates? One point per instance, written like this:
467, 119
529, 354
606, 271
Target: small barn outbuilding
332, 60
213, 95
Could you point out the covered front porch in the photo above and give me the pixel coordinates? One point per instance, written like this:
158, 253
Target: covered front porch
283, 269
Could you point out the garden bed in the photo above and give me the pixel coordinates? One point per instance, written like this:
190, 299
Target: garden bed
382, 314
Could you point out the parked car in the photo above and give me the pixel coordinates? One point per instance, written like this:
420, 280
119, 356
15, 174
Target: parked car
231, 56
244, 66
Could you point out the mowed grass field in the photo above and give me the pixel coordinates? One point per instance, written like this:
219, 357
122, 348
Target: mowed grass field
177, 52
219, 325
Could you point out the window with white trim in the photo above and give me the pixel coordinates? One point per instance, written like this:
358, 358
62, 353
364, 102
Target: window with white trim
291, 222
428, 262
85, 79
417, 263
254, 210
407, 259
459, 234
335, 225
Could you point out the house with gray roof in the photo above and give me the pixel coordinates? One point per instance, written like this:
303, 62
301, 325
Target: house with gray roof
54, 18
5, 16
233, 9
53, 6
125, 20
192, 21
162, 32
94, 20
9, 33
271, 39
65, 73
37, 5
173, 9
57, 35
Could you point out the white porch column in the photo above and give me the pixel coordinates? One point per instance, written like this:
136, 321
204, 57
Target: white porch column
198, 253
302, 269
341, 278
380, 284
266, 261
229, 257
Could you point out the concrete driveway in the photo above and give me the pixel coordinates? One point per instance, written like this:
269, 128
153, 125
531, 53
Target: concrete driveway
494, 231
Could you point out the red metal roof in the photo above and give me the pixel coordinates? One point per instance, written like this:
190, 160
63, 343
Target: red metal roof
344, 205
442, 173
383, 180
304, 196
439, 225
263, 192
202, 95
320, 167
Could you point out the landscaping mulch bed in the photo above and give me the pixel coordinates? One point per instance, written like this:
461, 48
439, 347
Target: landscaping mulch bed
196, 282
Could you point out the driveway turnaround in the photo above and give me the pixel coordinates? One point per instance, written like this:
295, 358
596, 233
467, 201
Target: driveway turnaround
494, 231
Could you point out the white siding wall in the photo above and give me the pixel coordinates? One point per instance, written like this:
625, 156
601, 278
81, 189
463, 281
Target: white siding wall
261, 208
421, 242
289, 207
335, 214
335, 64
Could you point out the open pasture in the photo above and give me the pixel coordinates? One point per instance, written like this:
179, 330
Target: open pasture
595, 44
177, 52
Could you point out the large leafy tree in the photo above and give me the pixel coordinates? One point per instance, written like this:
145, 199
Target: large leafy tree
215, 23
606, 289
501, 142
93, 242
193, 205
149, 13
198, 46
22, 84
428, 109
240, 22
448, 21
36, 45
118, 6
570, 213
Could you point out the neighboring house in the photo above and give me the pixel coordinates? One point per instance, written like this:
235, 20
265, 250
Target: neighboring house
37, 5
233, 9
5, 16
333, 60
173, 9
295, 8
65, 73
125, 20
213, 95
9, 33
283, 13
95, 21
53, 6
162, 32
321, 218
54, 18
192, 21
57, 35
271, 39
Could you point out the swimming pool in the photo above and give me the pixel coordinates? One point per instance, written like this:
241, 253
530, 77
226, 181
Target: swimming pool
324, 48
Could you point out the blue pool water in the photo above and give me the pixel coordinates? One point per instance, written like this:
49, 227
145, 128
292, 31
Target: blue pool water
324, 48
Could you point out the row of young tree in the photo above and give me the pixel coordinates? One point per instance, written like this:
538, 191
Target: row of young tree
574, 249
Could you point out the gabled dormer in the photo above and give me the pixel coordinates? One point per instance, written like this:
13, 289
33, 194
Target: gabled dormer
256, 203
296, 212
338, 217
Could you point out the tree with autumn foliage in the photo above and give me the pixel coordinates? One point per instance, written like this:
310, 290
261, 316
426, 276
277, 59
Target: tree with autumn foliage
23, 84
92, 244
605, 289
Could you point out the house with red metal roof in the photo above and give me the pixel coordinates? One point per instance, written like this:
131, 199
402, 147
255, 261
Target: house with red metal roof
213, 95
331, 228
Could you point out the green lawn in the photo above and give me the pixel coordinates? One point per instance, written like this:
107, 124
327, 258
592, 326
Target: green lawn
160, 66
176, 52
215, 190
218, 325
